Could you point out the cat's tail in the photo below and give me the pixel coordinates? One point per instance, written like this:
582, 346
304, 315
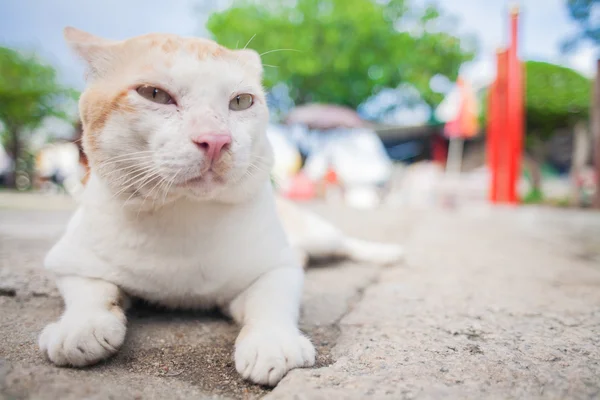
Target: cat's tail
314, 238
372, 252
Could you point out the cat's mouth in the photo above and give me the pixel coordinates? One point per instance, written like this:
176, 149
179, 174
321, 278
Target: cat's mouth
207, 178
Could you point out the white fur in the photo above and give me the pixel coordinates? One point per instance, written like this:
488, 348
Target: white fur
143, 229
181, 255
91, 329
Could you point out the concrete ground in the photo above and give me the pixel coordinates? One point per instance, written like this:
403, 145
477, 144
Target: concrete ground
488, 304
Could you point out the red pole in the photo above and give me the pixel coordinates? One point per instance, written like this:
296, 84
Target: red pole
496, 126
506, 121
503, 153
514, 114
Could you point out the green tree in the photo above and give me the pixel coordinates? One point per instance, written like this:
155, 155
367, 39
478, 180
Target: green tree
29, 93
556, 98
344, 51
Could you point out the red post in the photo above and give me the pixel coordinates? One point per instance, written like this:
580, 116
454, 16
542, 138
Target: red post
493, 133
515, 105
505, 122
503, 155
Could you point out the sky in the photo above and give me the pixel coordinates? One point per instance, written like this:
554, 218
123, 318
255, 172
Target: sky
37, 25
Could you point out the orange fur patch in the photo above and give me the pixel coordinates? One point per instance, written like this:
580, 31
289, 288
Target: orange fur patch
204, 49
95, 110
169, 46
94, 115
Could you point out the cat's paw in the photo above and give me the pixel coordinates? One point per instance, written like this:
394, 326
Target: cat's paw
83, 338
265, 355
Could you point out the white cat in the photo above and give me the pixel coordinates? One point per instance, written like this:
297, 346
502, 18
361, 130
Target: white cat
179, 209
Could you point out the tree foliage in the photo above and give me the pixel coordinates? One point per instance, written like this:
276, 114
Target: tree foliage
585, 13
29, 93
343, 51
555, 96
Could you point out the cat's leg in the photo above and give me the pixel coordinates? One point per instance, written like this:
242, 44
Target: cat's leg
270, 343
92, 326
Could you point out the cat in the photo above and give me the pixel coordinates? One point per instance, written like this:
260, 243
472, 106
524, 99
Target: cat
179, 209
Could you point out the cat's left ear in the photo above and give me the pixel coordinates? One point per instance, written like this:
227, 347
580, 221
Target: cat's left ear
250, 59
97, 52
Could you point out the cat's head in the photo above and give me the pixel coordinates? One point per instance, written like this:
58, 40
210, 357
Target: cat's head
166, 116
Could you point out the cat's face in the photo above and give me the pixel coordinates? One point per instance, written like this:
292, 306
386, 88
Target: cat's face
166, 116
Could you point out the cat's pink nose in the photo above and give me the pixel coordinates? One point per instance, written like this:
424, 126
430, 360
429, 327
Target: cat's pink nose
212, 144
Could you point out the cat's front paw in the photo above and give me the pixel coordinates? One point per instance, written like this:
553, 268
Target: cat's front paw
83, 338
264, 355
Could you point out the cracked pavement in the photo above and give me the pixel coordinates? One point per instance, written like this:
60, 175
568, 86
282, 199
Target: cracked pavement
488, 304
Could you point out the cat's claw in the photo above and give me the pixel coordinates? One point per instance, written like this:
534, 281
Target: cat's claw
264, 356
80, 339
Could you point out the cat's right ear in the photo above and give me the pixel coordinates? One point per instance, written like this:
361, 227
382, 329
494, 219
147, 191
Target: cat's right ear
97, 52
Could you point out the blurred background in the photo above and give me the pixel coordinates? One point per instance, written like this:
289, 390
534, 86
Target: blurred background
373, 102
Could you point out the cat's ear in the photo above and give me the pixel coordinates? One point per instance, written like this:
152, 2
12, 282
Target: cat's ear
97, 52
250, 59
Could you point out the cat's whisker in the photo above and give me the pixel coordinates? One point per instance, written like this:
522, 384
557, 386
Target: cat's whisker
139, 158
262, 158
258, 168
272, 66
137, 171
172, 181
276, 50
145, 182
156, 185
127, 155
108, 171
142, 182
126, 160
253, 36
126, 182
135, 167
159, 185
260, 161
145, 175
164, 187
237, 60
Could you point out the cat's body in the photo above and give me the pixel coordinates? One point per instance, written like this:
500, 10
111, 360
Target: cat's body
179, 209
179, 255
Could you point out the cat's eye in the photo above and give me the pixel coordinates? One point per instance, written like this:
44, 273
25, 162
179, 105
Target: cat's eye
241, 102
155, 94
